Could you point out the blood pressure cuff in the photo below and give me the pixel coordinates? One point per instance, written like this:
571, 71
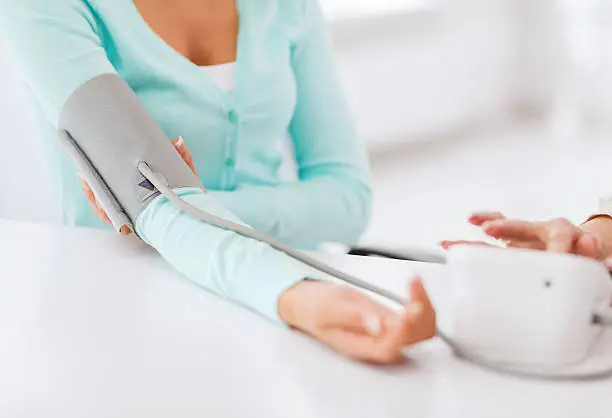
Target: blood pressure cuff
107, 132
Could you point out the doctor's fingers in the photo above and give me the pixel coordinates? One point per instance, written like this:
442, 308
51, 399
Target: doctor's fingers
584, 244
561, 235
512, 230
526, 244
479, 218
447, 244
558, 235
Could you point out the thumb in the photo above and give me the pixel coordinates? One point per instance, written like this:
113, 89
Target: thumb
418, 295
417, 290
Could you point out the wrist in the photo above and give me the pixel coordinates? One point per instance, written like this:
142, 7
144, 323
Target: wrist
298, 302
600, 226
598, 217
288, 304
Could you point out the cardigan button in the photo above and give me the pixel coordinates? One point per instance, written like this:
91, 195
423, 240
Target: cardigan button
233, 117
230, 162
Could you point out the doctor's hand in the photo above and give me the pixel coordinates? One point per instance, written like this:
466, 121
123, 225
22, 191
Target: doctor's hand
354, 325
178, 144
558, 235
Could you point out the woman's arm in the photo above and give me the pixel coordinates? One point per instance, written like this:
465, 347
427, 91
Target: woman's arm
58, 47
332, 200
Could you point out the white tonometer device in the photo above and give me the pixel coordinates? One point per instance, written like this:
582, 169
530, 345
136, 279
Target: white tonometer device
530, 312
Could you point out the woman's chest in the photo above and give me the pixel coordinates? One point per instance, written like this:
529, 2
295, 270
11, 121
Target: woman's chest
225, 130
205, 32
264, 90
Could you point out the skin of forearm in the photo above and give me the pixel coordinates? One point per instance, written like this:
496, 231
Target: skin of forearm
601, 227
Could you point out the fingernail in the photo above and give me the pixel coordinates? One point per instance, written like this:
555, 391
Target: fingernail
179, 141
415, 309
372, 324
608, 263
80, 177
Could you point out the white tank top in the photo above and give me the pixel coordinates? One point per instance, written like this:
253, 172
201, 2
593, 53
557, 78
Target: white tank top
224, 75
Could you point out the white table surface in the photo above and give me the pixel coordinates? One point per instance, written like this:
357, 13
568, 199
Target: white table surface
94, 325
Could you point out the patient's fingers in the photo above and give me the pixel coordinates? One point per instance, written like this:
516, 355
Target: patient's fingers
97, 208
479, 218
417, 321
179, 145
93, 202
448, 244
417, 291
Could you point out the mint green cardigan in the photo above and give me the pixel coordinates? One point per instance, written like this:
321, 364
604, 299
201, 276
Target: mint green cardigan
286, 84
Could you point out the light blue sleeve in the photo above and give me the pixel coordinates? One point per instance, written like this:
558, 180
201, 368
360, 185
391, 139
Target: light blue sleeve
58, 48
237, 268
332, 200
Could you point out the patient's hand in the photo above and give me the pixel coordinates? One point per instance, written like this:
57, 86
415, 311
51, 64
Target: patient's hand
179, 145
558, 235
353, 324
